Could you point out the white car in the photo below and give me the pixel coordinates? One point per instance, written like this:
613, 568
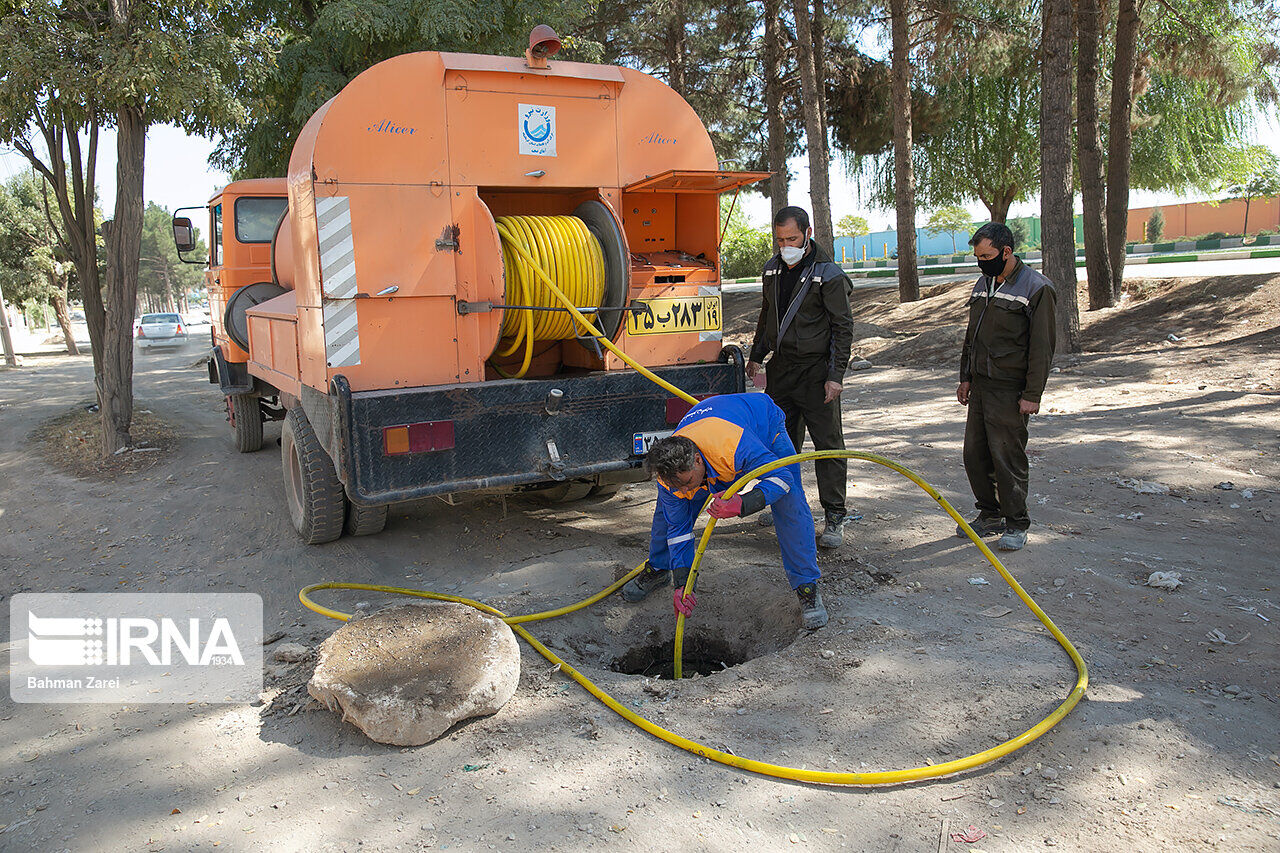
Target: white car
160, 330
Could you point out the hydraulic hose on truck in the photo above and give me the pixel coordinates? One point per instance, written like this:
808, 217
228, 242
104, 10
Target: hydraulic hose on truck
879, 777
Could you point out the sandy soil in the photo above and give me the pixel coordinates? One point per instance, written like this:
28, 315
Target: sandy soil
1175, 746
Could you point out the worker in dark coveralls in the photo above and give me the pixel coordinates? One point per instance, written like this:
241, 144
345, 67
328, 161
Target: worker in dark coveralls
806, 323
1004, 365
717, 442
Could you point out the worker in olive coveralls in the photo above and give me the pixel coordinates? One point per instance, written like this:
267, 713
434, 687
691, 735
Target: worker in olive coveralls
717, 442
1004, 365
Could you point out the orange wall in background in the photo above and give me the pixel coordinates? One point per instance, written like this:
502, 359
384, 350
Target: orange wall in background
1183, 221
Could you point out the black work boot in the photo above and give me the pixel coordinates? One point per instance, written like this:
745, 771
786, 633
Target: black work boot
983, 525
639, 587
812, 612
832, 535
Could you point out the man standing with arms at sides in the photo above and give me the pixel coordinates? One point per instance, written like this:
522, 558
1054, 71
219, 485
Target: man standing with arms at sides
806, 323
1004, 365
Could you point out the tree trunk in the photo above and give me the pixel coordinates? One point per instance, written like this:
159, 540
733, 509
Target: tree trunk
170, 305
815, 130
124, 242
998, 207
904, 179
1120, 146
59, 303
820, 68
1058, 234
1089, 153
676, 48
1245, 231
10, 357
773, 98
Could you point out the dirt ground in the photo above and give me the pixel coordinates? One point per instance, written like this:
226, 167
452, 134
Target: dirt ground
1175, 746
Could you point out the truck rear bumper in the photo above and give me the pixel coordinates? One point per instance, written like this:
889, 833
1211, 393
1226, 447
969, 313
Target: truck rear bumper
510, 432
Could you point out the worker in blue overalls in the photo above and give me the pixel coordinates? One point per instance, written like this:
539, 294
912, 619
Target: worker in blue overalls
718, 441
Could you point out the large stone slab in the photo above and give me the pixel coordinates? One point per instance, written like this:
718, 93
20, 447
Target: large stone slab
406, 674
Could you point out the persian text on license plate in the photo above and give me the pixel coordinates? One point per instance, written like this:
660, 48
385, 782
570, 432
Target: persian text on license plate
675, 314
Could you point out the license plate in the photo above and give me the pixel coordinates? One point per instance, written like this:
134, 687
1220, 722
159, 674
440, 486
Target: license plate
670, 315
642, 441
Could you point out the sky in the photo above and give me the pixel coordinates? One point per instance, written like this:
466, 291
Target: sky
177, 174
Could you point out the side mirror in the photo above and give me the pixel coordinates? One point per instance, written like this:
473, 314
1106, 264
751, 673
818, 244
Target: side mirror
184, 236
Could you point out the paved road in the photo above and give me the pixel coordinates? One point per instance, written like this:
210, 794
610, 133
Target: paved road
1245, 266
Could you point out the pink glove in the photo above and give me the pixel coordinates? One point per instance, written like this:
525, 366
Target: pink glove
720, 508
684, 603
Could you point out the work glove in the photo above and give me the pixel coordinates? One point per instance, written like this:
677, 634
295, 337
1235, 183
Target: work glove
684, 603
722, 508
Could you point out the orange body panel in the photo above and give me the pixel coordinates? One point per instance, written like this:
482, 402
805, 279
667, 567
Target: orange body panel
241, 263
394, 186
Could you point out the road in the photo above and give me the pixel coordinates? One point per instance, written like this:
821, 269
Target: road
1191, 268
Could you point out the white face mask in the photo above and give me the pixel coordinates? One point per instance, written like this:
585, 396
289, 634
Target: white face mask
791, 255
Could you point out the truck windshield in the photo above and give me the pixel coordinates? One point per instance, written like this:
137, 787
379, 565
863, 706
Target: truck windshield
256, 218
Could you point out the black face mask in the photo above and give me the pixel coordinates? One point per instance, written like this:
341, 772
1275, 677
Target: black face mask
992, 266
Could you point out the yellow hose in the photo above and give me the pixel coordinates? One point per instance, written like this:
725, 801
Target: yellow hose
531, 245
879, 777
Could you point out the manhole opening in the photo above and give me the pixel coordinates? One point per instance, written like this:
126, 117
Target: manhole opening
702, 656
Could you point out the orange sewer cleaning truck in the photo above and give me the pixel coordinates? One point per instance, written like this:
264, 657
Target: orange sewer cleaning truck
389, 302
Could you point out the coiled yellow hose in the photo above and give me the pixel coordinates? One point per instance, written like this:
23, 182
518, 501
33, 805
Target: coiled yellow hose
880, 777
560, 248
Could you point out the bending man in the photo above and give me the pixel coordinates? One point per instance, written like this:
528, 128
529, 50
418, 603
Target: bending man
717, 442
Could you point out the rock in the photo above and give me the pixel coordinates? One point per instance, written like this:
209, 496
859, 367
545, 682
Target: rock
826, 654
1247, 494
860, 364
1226, 486
291, 652
1059, 582
1231, 689
404, 675
1049, 773
1144, 487
1164, 580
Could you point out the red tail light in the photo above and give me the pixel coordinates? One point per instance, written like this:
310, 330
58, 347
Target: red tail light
417, 438
179, 329
140, 332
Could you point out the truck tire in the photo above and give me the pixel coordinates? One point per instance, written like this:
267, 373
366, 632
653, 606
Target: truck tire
365, 520
246, 420
316, 500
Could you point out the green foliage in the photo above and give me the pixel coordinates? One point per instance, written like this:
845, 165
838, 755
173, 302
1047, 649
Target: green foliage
744, 249
948, 220
1253, 172
161, 273
179, 62
852, 226
30, 266
1155, 226
1021, 233
326, 43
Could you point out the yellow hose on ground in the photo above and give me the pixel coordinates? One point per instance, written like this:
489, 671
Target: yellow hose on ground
879, 777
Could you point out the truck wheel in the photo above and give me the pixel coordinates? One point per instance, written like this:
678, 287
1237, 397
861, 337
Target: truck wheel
317, 502
566, 492
246, 419
365, 520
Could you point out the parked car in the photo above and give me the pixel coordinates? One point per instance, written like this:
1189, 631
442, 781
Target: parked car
160, 330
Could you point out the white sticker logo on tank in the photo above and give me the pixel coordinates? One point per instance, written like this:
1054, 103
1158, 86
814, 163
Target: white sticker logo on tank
537, 130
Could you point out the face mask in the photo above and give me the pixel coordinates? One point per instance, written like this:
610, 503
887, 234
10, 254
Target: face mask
993, 266
791, 255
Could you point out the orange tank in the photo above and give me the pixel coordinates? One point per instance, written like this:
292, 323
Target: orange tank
386, 345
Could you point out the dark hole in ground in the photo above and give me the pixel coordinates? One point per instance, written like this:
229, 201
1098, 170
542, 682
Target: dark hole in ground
702, 656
